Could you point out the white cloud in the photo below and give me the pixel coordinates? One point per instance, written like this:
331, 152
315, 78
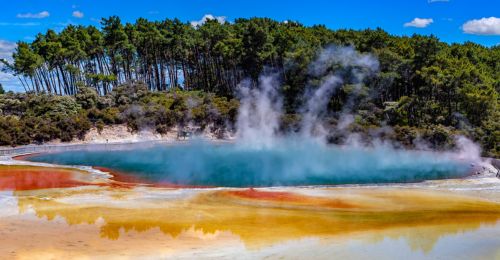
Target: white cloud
19, 24
8, 81
483, 26
40, 15
6, 49
78, 14
220, 19
436, 1
6, 77
419, 22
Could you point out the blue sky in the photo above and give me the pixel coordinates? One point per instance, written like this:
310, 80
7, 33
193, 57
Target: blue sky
450, 20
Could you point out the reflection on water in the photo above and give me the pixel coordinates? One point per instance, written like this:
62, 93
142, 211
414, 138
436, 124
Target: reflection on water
263, 218
378, 222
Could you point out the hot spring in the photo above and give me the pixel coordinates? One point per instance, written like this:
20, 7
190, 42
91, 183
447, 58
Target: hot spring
265, 156
201, 163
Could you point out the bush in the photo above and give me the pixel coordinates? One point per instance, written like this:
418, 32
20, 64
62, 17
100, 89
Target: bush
86, 97
99, 125
439, 137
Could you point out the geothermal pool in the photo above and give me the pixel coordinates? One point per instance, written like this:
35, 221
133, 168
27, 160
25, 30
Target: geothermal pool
290, 163
420, 207
61, 212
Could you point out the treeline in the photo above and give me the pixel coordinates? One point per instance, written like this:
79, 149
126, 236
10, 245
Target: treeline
423, 83
213, 57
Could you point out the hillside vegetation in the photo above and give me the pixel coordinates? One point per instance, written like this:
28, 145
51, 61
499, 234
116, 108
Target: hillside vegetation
160, 74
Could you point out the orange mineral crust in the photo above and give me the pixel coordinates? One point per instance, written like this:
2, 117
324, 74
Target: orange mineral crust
32, 178
130, 180
24, 157
287, 198
150, 222
255, 224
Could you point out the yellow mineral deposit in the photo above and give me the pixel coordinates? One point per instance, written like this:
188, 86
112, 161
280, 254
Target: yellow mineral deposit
77, 217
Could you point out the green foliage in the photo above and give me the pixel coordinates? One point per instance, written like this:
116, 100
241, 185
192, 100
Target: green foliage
86, 97
162, 74
30, 118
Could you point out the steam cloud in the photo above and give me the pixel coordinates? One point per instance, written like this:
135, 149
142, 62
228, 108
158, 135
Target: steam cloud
261, 106
349, 63
259, 112
263, 156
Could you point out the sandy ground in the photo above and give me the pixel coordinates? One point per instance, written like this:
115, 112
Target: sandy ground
120, 134
117, 134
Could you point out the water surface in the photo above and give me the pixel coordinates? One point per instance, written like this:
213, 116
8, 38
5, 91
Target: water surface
288, 164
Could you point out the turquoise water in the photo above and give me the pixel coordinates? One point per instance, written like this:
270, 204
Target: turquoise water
230, 165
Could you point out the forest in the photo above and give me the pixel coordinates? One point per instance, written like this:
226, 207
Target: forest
161, 74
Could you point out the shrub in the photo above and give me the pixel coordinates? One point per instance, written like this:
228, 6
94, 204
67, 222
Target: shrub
86, 97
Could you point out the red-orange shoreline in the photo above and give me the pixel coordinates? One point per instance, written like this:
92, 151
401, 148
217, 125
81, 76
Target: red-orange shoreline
120, 179
19, 177
24, 157
125, 178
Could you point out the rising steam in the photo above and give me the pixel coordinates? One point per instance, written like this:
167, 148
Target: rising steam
262, 156
259, 112
351, 67
261, 105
